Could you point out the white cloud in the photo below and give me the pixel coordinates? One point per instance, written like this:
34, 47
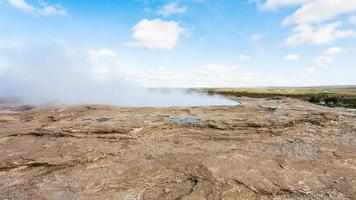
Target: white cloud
43, 9
320, 10
310, 69
244, 57
352, 19
291, 57
274, 4
156, 34
52, 10
328, 57
318, 34
324, 60
171, 9
216, 74
151, 78
21, 5
211, 75
257, 37
334, 50
312, 19
213, 70
103, 53
101, 73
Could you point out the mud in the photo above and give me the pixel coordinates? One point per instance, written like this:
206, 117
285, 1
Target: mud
277, 148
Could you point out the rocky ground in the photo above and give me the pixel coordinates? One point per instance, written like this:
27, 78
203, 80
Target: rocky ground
263, 149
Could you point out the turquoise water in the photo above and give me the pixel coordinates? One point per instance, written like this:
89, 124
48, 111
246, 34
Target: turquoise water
191, 120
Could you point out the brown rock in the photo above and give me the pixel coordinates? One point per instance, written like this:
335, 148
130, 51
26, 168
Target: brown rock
252, 151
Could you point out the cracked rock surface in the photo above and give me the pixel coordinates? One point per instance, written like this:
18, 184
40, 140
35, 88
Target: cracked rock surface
262, 149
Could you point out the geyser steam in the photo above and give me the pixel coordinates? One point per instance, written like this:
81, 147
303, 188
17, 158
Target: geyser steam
54, 73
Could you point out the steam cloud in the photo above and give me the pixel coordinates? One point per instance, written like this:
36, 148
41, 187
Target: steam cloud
53, 73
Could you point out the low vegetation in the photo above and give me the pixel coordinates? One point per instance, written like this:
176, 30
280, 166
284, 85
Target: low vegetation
328, 96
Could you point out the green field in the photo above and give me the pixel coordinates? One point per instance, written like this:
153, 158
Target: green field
329, 96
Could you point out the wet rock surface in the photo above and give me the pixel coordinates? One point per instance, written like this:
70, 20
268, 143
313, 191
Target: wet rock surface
262, 149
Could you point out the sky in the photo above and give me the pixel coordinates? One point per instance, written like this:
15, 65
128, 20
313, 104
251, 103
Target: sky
178, 43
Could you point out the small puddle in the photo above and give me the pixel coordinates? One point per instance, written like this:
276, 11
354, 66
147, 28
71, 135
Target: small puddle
190, 120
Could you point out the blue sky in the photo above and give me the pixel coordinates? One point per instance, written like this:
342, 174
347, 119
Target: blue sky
183, 43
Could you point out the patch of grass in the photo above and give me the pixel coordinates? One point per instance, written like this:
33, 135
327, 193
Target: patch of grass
328, 96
